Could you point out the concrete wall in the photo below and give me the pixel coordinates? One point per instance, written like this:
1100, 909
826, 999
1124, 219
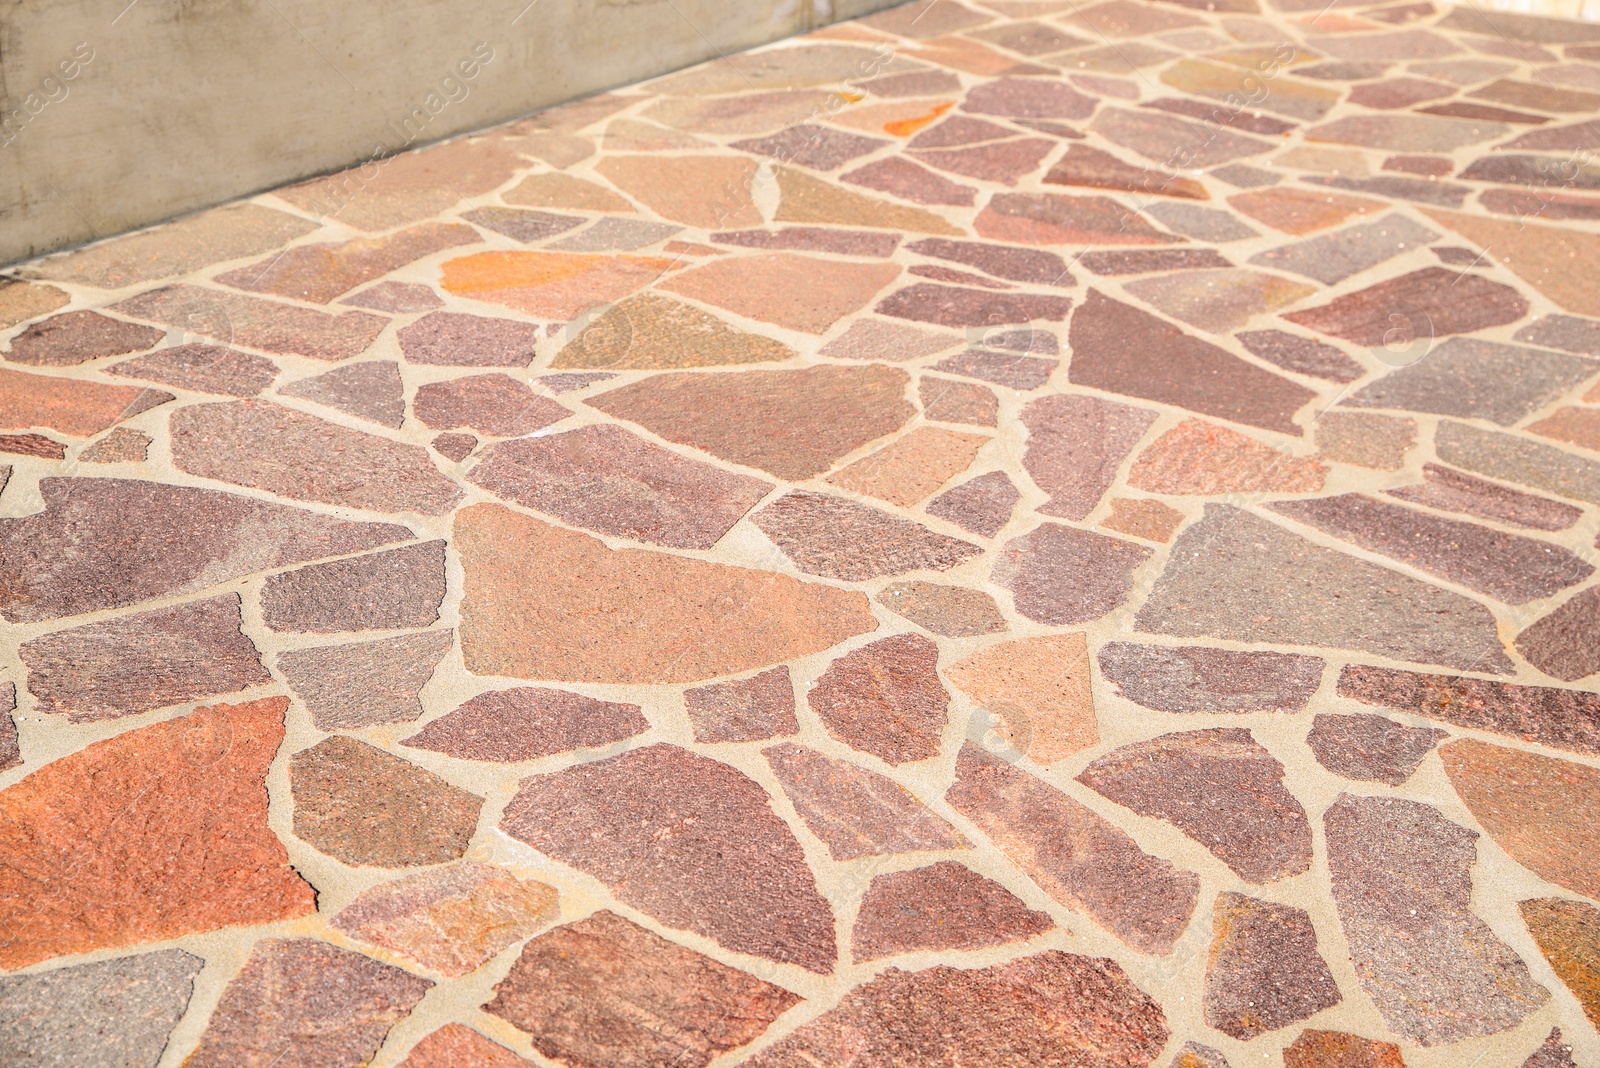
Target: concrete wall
117, 115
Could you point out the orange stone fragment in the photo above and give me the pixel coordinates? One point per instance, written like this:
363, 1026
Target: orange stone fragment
152, 834
706, 191
1037, 691
1300, 211
1198, 458
1575, 426
546, 603
560, 285
1143, 518
798, 292
71, 406
457, 1046
911, 468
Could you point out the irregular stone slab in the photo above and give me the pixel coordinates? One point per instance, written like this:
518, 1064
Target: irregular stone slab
528, 227
948, 611
394, 589
1050, 1008
1297, 211
821, 148
1169, 140
1379, 442
1036, 692
945, 906
268, 447
1263, 971
651, 332
1508, 567
912, 467
1402, 883
147, 540
451, 919
1540, 810
121, 667
1554, 261
805, 199
371, 389
605, 991
1573, 425
1199, 679
134, 1003
494, 404
1568, 934
797, 292
451, 339
1470, 378
552, 189
320, 272
855, 812
32, 445
74, 407
982, 505
1566, 332
910, 181
687, 840
675, 187
10, 752
1002, 261
203, 368
456, 1046
1218, 300
303, 1002
793, 424
1454, 491
1407, 133
837, 538
555, 285
21, 301
84, 874
1423, 191
814, 239
746, 113
1121, 349
1564, 719
1195, 1055
1061, 575
1199, 458
71, 338
1096, 169
1371, 748
1143, 518
363, 806
1221, 788
1552, 1053
743, 710
395, 297
1516, 459
545, 603
1056, 219
508, 726
1143, 261
347, 687
1075, 446
925, 302
957, 402
877, 339
885, 698
1561, 644
605, 479
1336, 1049
1334, 257
1004, 162
1002, 368
1235, 576
1073, 854
1434, 299
268, 325
1202, 224
1234, 83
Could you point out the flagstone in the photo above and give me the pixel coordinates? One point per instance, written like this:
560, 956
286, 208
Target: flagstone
806, 199
652, 332
941, 907
1371, 748
1517, 459
268, 325
1057, 219
451, 339
202, 368
76, 337
1036, 692
743, 710
557, 285
957, 402
1175, 142
359, 684
910, 181
981, 505
1264, 970
319, 273
1076, 445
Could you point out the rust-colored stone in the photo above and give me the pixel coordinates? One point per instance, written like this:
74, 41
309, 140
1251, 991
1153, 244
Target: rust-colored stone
941, 907
885, 698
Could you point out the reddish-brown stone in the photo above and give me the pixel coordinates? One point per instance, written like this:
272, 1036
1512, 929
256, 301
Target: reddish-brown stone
371, 389
1075, 445
1377, 442
202, 368
493, 404
394, 589
927, 302
1472, 378
1552, 1053
1336, 1049
1173, 141
75, 407
885, 698
688, 840
1145, 261
1199, 458
838, 538
948, 611
1434, 301
268, 325
451, 339
1097, 169
1002, 368
1050, 1008
545, 603
1454, 491
1143, 518
1001, 261
155, 833
395, 297
1199, 679
10, 750
1372, 748
121, 667
359, 684
855, 812
1562, 644
651, 332
320, 272
1568, 934
793, 424
1221, 788
1003, 162
1055, 219
1060, 575
743, 710
36, 445
910, 181
1302, 354
450, 919
1263, 971
982, 505
265, 446
910, 468
957, 402
606, 992
364, 806
457, 1046
507, 726
454, 446
1118, 348
76, 337
21, 301
109, 543
1073, 854
302, 1003
944, 906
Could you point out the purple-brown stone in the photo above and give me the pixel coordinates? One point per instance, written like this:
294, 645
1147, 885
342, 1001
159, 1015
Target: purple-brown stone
1263, 971
743, 710
1194, 678
844, 539
885, 698
1075, 446
528, 722
390, 590
945, 906
1371, 748
359, 684
1060, 575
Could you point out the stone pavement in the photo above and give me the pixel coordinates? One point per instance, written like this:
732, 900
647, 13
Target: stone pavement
1000, 535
